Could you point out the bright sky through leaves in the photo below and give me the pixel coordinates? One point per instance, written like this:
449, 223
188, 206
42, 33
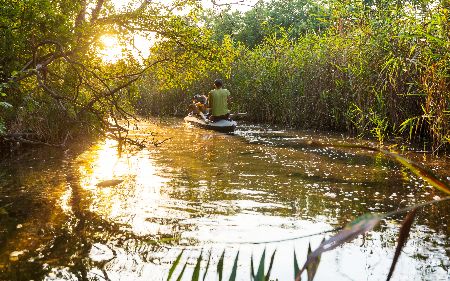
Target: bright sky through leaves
111, 50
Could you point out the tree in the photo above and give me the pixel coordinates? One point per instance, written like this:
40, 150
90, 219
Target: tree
52, 75
298, 17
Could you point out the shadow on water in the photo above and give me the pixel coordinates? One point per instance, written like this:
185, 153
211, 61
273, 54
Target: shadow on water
88, 214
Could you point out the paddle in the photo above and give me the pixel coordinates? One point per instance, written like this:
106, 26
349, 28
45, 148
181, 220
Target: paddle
238, 115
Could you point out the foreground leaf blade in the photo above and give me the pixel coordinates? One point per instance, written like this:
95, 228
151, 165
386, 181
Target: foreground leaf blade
352, 230
234, 270
252, 269
196, 273
311, 269
402, 238
182, 272
270, 266
296, 268
421, 171
174, 265
260, 272
220, 266
207, 266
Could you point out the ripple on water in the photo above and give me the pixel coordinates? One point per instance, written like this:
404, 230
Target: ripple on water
205, 190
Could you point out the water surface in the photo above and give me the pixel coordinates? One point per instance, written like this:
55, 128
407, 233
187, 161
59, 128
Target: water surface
206, 191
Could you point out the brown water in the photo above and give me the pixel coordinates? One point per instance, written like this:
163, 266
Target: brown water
212, 191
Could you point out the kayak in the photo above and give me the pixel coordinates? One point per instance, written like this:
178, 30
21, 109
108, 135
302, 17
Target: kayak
220, 125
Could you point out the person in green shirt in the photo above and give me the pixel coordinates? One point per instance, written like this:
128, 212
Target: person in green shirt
218, 100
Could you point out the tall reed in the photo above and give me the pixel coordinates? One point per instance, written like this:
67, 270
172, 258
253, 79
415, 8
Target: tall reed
379, 71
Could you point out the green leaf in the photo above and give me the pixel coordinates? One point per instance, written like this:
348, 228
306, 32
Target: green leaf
421, 171
234, 269
4, 85
196, 274
402, 238
296, 268
352, 230
3, 211
174, 265
4, 104
220, 265
2, 127
311, 269
182, 272
207, 266
260, 272
270, 266
252, 270
358, 226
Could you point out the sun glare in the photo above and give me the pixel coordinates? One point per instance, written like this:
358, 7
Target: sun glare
110, 50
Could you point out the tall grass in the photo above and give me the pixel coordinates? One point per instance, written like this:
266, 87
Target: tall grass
379, 72
386, 76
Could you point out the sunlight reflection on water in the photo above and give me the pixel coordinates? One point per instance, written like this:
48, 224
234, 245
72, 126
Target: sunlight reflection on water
152, 203
205, 190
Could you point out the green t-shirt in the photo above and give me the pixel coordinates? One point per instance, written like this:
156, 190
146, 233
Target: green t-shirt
218, 100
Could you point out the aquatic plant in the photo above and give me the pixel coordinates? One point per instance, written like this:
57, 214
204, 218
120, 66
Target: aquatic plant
359, 226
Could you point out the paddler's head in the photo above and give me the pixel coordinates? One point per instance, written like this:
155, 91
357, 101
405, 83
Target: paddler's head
218, 83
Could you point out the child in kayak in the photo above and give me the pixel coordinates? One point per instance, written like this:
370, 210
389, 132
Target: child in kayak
199, 104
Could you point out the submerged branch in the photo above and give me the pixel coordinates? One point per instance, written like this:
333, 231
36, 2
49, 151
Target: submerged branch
24, 139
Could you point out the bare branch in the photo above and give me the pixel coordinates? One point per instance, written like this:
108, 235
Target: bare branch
19, 139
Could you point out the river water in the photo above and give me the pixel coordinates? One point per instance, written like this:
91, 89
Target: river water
204, 191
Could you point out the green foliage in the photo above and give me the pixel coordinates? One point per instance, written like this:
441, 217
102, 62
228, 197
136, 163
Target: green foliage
298, 17
420, 171
296, 267
185, 64
4, 105
4, 108
59, 85
234, 269
312, 266
196, 273
2, 127
376, 68
220, 266
175, 264
259, 276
